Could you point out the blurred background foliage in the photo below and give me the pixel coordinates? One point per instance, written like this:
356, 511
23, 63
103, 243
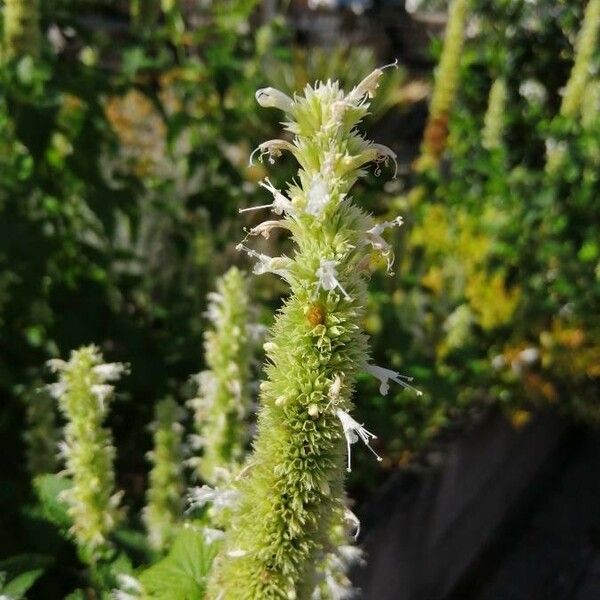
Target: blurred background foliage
125, 132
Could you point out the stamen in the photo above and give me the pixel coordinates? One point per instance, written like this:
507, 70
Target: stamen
384, 375
353, 431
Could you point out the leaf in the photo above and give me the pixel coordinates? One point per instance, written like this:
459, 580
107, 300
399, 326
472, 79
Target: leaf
48, 489
17, 587
182, 574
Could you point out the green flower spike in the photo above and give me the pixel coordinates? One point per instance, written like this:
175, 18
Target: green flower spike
493, 123
446, 84
21, 28
164, 506
83, 394
223, 403
586, 45
290, 493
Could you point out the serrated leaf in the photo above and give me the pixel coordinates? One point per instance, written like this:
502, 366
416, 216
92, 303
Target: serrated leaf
48, 489
183, 573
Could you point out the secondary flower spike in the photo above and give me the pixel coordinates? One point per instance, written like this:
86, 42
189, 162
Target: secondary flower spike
291, 497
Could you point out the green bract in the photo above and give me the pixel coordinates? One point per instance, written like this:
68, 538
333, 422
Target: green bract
291, 490
83, 395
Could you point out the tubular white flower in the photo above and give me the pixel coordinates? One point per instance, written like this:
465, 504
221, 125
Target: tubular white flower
368, 86
272, 148
353, 520
102, 391
219, 498
318, 197
56, 364
273, 98
267, 264
212, 535
57, 389
384, 376
110, 371
384, 155
279, 205
352, 431
327, 275
373, 237
265, 228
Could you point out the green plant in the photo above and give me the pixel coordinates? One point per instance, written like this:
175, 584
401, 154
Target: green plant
222, 407
83, 396
164, 507
292, 493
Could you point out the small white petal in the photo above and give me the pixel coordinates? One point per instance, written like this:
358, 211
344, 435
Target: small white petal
236, 553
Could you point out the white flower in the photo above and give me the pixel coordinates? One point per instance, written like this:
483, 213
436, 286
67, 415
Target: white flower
212, 535
56, 364
384, 155
368, 86
128, 583
384, 375
352, 431
533, 91
58, 389
280, 203
110, 371
353, 520
317, 196
102, 391
272, 148
529, 355
129, 588
498, 362
272, 98
267, 264
374, 238
219, 498
327, 274
265, 228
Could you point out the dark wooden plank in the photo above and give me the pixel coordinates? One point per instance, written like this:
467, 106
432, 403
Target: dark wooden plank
427, 531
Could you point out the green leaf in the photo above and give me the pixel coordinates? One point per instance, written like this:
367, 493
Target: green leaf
17, 587
183, 573
48, 489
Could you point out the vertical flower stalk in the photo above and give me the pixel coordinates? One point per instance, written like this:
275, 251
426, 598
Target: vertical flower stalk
21, 28
42, 434
291, 491
164, 507
83, 394
493, 123
223, 402
445, 86
586, 45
